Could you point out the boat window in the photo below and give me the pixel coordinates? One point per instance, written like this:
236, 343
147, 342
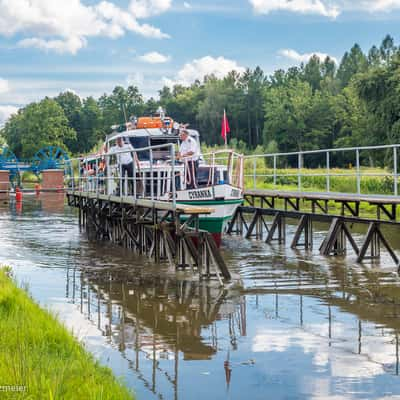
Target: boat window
139, 142
163, 153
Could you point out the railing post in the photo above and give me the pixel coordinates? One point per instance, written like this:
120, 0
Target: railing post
328, 172
97, 176
173, 181
126, 183
73, 176
151, 175
134, 175
299, 166
358, 171
107, 175
79, 175
274, 171
255, 173
395, 177
120, 179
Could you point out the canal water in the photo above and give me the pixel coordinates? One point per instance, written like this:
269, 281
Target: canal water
300, 326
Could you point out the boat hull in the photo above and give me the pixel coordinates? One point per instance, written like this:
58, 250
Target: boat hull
216, 222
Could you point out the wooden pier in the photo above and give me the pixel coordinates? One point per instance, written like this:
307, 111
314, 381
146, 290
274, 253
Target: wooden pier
153, 228
251, 221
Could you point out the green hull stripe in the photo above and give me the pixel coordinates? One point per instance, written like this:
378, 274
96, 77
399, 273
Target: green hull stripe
212, 224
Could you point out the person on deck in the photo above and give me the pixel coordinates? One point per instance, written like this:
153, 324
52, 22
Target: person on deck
125, 160
189, 154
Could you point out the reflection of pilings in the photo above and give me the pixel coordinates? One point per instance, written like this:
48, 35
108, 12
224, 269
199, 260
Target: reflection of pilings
141, 314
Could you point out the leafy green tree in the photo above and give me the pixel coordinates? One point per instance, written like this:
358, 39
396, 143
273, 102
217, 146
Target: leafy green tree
36, 126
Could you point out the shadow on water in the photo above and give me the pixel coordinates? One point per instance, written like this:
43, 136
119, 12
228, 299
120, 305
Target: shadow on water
302, 326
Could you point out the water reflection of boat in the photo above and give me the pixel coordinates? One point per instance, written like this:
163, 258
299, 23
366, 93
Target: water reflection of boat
156, 318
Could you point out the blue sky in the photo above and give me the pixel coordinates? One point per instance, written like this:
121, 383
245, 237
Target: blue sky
90, 46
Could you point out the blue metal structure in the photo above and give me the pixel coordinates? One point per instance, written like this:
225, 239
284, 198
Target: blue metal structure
50, 157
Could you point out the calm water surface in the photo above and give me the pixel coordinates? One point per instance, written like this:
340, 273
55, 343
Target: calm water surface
301, 327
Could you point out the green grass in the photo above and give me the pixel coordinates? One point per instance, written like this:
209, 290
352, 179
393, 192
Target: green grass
38, 352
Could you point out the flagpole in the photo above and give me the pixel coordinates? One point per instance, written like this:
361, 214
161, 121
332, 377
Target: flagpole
226, 143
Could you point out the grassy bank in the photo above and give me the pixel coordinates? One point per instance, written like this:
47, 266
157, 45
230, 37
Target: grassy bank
39, 354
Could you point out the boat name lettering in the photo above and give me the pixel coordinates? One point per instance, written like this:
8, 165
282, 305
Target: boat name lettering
235, 193
200, 194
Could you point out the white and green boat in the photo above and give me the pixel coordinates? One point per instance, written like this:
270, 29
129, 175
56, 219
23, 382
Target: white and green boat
219, 183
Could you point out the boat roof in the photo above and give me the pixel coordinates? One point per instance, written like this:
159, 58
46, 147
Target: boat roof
149, 132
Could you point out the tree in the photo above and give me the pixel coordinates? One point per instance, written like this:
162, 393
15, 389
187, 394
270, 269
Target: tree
351, 64
36, 126
72, 107
387, 49
91, 126
312, 73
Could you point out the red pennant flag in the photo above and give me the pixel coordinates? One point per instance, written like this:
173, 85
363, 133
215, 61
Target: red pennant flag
225, 127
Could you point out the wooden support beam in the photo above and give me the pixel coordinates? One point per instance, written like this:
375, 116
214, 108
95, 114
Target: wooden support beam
217, 257
374, 238
294, 203
250, 199
347, 204
389, 212
335, 241
304, 227
316, 203
278, 224
233, 221
253, 223
269, 201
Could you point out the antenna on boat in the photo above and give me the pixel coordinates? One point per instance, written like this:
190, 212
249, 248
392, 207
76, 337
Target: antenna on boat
124, 111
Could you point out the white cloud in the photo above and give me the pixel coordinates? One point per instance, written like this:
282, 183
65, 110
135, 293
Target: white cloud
186, 5
64, 27
4, 86
148, 8
295, 56
71, 45
297, 6
154, 58
326, 8
381, 5
201, 67
6, 112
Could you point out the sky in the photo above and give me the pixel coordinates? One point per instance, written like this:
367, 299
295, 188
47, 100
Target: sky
90, 46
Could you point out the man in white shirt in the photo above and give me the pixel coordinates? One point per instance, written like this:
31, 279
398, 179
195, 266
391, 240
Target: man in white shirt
189, 153
125, 159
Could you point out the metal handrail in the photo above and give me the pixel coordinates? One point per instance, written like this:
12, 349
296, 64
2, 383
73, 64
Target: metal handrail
357, 172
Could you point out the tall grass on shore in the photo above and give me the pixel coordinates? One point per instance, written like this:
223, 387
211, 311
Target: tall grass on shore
40, 359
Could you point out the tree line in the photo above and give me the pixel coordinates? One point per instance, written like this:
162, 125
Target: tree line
315, 105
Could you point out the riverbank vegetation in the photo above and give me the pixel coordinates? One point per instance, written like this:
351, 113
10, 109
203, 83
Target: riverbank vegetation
319, 104
39, 359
